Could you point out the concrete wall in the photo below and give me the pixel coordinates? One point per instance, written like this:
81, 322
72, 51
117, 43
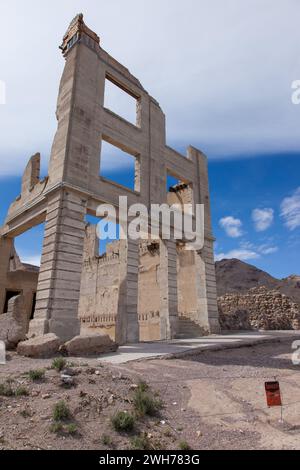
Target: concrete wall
100, 287
186, 278
149, 292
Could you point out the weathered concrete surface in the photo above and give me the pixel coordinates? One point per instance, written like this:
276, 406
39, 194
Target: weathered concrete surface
13, 324
185, 347
89, 345
40, 347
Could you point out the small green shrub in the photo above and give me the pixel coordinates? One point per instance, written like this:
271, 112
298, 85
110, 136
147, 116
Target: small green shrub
122, 421
106, 440
56, 427
36, 374
141, 442
183, 445
59, 363
71, 429
143, 386
6, 389
61, 411
21, 392
144, 401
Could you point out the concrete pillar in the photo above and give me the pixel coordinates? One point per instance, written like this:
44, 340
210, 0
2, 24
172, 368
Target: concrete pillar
61, 265
168, 289
6, 246
206, 289
127, 324
205, 267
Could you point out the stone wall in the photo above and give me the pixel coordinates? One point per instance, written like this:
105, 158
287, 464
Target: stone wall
100, 292
260, 308
18, 278
100, 286
101, 281
149, 292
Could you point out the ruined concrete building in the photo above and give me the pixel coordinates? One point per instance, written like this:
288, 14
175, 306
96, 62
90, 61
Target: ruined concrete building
18, 278
153, 290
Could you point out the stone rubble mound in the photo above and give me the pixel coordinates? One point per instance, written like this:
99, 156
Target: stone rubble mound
258, 309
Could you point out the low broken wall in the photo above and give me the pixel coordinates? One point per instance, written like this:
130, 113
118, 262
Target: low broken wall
99, 295
149, 295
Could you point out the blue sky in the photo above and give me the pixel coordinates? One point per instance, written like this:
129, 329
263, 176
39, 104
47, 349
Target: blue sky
224, 83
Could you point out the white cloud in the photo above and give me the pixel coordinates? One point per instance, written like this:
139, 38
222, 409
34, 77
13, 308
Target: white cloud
35, 260
114, 159
290, 210
241, 254
232, 116
262, 218
232, 226
267, 250
248, 251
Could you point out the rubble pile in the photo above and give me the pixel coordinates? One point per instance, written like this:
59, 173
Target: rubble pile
258, 309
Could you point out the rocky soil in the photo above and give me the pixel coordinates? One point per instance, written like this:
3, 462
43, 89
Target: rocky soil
91, 392
213, 400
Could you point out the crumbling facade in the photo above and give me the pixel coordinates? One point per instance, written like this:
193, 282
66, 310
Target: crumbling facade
137, 291
16, 278
100, 292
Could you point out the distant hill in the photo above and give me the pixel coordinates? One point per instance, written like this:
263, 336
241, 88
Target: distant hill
235, 276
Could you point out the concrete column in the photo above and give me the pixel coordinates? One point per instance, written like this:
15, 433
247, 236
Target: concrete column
61, 265
168, 289
206, 315
6, 245
127, 324
206, 290
205, 267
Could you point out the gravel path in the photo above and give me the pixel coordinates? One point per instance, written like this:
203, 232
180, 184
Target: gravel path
218, 398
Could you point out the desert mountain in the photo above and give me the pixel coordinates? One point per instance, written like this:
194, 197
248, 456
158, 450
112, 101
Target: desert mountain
235, 276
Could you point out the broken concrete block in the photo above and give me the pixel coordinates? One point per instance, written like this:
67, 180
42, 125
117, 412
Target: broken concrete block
13, 323
89, 345
42, 346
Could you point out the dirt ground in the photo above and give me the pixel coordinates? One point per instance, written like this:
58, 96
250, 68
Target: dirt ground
213, 400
